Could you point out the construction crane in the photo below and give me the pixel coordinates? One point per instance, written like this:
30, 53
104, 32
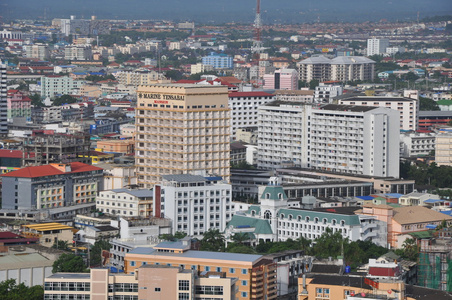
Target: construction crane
257, 48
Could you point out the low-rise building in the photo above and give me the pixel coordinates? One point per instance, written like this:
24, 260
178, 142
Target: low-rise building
416, 143
126, 202
49, 233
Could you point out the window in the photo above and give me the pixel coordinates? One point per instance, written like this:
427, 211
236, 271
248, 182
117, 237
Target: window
132, 264
218, 269
184, 285
207, 269
157, 289
244, 271
231, 270
244, 294
184, 296
244, 282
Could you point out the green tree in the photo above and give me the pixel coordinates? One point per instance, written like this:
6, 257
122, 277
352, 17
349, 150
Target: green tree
426, 104
63, 100
238, 248
36, 100
96, 252
174, 75
313, 83
61, 245
410, 249
69, 263
328, 244
213, 240
10, 290
173, 237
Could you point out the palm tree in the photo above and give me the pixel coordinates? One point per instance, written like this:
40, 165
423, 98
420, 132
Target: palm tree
240, 238
213, 240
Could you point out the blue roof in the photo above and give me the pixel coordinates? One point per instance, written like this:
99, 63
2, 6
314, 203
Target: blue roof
214, 178
446, 212
433, 201
365, 197
200, 254
394, 195
431, 226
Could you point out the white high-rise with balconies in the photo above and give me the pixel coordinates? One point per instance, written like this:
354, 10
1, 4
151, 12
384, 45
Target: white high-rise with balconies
3, 101
377, 46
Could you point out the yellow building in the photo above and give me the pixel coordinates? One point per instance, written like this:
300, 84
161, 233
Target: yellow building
49, 233
181, 128
99, 157
256, 275
116, 146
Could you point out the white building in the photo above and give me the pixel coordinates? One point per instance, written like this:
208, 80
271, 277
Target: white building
200, 68
117, 176
337, 138
78, 53
394, 50
303, 95
443, 148
314, 67
194, 203
52, 86
39, 51
407, 107
244, 109
377, 46
283, 135
416, 143
324, 93
3, 101
125, 202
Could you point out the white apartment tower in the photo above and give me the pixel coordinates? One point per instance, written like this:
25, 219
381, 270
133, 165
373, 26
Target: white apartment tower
181, 128
3, 101
194, 203
377, 46
337, 138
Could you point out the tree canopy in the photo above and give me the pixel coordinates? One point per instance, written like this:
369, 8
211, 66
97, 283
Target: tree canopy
96, 252
69, 263
10, 290
65, 99
213, 240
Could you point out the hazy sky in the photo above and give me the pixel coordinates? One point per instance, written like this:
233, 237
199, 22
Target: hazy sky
281, 11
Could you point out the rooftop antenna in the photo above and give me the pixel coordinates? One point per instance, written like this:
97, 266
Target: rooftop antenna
257, 48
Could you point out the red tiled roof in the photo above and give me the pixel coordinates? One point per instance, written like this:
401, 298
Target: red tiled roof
250, 94
6, 153
48, 170
374, 271
8, 235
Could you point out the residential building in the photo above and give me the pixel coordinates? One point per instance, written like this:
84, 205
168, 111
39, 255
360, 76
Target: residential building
181, 128
244, 109
78, 52
137, 78
125, 202
256, 275
49, 233
414, 143
408, 107
377, 46
325, 93
54, 85
51, 186
200, 68
3, 101
218, 60
283, 79
150, 282
443, 148
124, 147
314, 68
303, 95
18, 105
238, 153
194, 203
39, 51
117, 176
357, 140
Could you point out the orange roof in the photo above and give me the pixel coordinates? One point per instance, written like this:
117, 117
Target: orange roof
49, 170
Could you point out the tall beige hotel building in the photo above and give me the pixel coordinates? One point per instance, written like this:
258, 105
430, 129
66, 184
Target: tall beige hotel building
181, 128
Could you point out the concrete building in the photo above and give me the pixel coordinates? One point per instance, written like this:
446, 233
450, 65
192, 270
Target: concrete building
356, 140
256, 275
283, 79
9, 34
117, 176
3, 101
324, 93
407, 107
194, 203
52, 86
244, 109
443, 148
125, 202
78, 52
49, 233
218, 60
314, 68
137, 78
200, 68
303, 95
39, 51
149, 282
416, 143
377, 46
181, 128
18, 105
51, 186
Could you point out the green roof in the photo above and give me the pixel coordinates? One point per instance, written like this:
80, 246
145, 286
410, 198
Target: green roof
260, 226
273, 193
422, 234
312, 214
444, 102
256, 208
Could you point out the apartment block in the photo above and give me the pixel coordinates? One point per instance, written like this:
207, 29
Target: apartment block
283, 79
39, 51
51, 186
377, 46
218, 60
194, 203
416, 143
77, 52
324, 93
200, 68
181, 128
314, 68
125, 202
52, 86
18, 105
137, 78
256, 275
3, 101
443, 148
244, 109
407, 107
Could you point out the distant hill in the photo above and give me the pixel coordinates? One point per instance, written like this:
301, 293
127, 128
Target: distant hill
205, 11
